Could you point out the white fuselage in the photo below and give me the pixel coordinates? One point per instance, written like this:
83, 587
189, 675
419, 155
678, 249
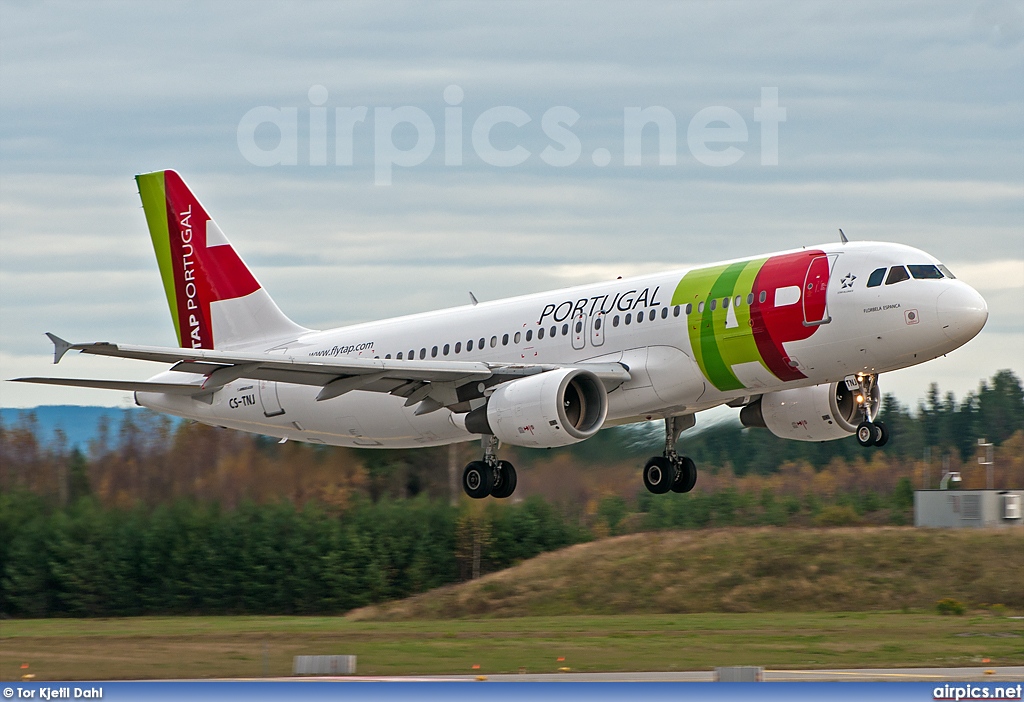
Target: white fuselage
863, 329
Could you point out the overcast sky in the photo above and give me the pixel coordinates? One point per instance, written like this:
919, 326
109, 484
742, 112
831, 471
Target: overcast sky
904, 122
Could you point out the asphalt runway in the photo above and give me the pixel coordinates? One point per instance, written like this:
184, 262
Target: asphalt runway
983, 674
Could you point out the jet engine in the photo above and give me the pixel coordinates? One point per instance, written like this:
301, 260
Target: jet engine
556, 408
817, 413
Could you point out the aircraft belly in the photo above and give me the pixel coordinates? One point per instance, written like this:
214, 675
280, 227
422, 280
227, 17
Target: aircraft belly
663, 376
367, 419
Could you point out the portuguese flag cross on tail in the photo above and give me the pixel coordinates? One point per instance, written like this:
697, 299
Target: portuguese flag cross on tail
215, 300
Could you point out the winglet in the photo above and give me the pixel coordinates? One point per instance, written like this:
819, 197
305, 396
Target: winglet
60, 347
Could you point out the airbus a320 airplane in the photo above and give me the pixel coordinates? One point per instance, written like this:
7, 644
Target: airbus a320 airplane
796, 338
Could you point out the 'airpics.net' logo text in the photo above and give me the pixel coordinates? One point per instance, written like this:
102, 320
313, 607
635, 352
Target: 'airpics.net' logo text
714, 135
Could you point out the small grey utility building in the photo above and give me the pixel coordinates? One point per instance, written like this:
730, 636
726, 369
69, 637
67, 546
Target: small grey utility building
968, 508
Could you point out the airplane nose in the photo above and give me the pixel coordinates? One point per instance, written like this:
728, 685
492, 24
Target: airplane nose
962, 312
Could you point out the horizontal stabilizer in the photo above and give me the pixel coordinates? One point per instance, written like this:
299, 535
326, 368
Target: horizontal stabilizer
130, 385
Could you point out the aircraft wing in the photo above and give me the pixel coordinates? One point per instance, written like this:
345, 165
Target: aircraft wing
433, 384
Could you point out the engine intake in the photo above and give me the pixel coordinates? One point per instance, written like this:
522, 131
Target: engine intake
818, 413
556, 408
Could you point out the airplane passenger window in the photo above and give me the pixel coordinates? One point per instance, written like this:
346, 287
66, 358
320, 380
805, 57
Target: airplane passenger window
652, 314
664, 312
529, 335
875, 279
469, 346
947, 272
517, 337
737, 301
412, 355
639, 317
579, 327
629, 318
763, 296
597, 324
399, 356
445, 350
925, 272
615, 321
725, 303
676, 310
458, 347
540, 333
565, 329
494, 341
897, 274
750, 299
689, 308
433, 352
387, 356
713, 305
553, 331
700, 307
480, 345
423, 354
504, 340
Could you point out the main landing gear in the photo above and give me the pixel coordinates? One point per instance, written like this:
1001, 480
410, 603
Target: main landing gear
869, 433
670, 471
489, 476
872, 434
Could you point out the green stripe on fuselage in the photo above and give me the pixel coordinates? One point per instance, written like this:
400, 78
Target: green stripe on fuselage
716, 344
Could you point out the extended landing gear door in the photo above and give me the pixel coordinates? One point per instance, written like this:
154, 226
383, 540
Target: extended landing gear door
268, 397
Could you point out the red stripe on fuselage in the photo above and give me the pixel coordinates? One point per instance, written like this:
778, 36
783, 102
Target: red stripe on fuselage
772, 326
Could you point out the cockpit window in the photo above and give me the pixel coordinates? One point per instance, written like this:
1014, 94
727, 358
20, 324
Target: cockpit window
947, 272
897, 274
925, 272
876, 277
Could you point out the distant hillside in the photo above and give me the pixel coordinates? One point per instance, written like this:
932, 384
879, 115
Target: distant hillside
741, 570
78, 423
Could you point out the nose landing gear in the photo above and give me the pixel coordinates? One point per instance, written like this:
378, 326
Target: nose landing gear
670, 471
869, 433
489, 476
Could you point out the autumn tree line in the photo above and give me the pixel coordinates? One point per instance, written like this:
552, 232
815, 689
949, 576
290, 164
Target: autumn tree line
157, 516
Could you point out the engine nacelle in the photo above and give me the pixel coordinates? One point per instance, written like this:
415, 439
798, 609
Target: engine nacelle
818, 413
556, 408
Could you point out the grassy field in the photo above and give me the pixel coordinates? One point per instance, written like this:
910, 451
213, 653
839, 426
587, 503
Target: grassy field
692, 600
200, 647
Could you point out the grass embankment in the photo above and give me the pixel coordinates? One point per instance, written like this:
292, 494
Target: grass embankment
742, 570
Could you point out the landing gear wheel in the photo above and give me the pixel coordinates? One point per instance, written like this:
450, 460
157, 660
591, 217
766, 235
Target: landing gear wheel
881, 434
686, 475
866, 434
659, 474
504, 480
478, 479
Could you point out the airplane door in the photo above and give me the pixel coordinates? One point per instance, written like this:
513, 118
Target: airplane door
597, 323
579, 331
268, 398
815, 292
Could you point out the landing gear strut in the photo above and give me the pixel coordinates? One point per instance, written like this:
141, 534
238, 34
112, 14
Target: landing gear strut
489, 476
869, 433
670, 471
